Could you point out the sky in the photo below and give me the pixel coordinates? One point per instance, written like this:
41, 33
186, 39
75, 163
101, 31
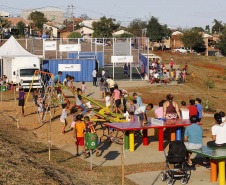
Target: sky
174, 13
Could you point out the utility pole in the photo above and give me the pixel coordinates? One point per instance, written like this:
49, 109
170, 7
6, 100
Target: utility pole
72, 15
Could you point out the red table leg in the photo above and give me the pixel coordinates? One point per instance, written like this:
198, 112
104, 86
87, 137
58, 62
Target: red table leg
173, 134
160, 139
145, 137
213, 165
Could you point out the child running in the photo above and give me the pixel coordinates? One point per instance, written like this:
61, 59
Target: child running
79, 130
63, 117
83, 87
90, 129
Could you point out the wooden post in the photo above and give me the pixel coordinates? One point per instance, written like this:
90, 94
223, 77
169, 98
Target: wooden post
123, 149
17, 114
50, 121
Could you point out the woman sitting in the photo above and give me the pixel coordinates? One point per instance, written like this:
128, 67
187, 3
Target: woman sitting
218, 132
170, 108
193, 136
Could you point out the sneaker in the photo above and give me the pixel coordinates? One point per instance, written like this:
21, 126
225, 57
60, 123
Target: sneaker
85, 155
97, 154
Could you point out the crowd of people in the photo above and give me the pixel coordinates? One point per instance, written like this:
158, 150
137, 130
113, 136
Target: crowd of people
116, 97
159, 71
193, 134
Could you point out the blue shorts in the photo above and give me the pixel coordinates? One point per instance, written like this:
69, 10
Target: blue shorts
141, 117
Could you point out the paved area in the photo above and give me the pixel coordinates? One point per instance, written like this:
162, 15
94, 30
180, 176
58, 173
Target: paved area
199, 176
110, 153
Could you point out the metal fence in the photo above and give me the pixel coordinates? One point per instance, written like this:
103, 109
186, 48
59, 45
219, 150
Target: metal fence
105, 45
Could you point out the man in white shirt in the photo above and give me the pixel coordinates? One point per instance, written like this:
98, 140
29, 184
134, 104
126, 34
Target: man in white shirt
94, 74
103, 72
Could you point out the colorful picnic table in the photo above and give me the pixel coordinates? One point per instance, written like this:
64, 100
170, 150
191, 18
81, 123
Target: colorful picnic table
130, 127
214, 153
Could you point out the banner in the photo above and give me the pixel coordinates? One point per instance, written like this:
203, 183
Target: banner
69, 67
70, 47
50, 45
121, 59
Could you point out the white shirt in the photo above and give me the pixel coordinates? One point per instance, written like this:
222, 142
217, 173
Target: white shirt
156, 75
64, 114
108, 100
219, 131
151, 71
140, 110
185, 115
103, 72
94, 73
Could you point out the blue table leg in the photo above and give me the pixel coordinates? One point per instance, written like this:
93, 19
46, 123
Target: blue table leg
178, 133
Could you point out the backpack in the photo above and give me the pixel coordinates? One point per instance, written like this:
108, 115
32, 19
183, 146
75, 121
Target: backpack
177, 152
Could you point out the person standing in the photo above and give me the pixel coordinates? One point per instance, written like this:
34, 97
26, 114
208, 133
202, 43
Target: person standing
200, 109
186, 68
184, 111
171, 63
21, 100
125, 94
159, 111
99, 76
103, 72
125, 70
94, 74
138, 99
193, 111
117, 99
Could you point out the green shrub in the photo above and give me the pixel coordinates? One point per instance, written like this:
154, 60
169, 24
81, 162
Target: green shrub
224, 78
208, 106
218, 76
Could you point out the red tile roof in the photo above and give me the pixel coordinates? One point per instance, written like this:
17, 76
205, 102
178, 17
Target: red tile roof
15, 20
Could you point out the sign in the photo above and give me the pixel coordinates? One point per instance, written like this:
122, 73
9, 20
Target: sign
70, 47
69, 67
50, 45
93, 144
121, 59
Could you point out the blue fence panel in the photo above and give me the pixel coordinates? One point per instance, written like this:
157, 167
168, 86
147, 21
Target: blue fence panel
87, 66
99, 56
143, 61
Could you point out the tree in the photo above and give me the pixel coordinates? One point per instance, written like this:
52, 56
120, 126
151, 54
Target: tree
221, 45
126, 35
38, 19
135, 27
198, 29
104, 27
84, 17
74, 35
218, 26
156, 31
207, 28
20, 26
192, 39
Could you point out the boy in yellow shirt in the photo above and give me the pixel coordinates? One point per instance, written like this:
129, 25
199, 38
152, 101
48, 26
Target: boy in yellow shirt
79, 130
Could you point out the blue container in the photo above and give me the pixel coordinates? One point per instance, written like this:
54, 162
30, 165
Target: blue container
85, 74
89, 55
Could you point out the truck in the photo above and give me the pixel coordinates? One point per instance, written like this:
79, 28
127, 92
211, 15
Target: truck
21, 70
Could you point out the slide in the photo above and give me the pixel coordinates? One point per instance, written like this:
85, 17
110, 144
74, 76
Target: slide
99, 105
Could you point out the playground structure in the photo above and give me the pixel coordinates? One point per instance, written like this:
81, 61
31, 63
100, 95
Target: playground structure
102, 112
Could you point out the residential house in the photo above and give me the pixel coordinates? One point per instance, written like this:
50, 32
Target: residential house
14, 21
4, 14
52, 28
120, 32
175, 41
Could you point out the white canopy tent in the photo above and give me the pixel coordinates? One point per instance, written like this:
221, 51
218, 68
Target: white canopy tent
12, 49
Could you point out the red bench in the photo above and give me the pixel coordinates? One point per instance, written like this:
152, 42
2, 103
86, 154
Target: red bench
157, 80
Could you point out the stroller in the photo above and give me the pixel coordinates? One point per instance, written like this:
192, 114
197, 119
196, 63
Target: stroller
177, 156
